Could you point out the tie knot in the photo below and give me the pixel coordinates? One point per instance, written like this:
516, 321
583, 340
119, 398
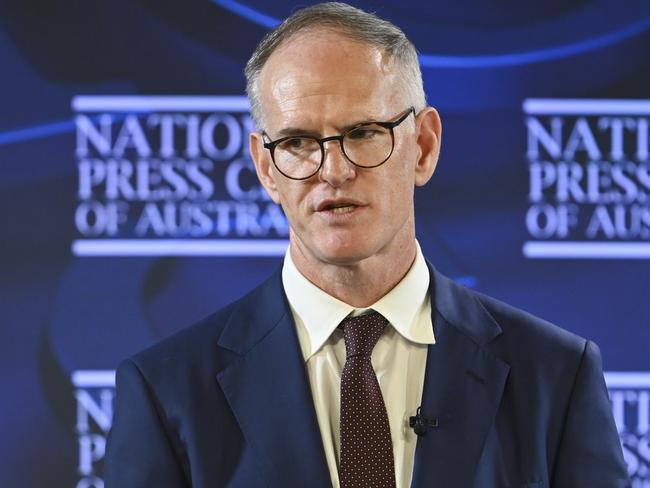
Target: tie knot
362, 332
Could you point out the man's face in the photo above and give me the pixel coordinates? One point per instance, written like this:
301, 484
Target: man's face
320, 83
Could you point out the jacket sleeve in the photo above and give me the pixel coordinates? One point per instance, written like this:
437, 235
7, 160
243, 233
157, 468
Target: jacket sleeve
590, 454
139, 453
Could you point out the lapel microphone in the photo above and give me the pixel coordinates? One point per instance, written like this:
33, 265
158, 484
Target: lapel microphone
419, 423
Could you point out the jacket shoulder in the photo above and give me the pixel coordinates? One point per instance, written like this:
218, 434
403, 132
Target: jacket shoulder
505, 329
202, 343
543, 357
529, 331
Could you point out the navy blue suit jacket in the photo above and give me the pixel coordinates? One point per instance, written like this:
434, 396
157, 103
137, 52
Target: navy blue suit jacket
226, 402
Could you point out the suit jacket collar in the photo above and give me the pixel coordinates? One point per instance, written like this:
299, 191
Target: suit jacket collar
269, 393
254, 316
461, 309
462, 388
268, 389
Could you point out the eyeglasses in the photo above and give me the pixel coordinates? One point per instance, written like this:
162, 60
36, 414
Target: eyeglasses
366, 145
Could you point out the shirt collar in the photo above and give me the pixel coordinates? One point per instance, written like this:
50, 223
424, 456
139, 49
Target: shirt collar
321, 313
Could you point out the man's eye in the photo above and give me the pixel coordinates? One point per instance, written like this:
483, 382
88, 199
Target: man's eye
362, 133
295, 143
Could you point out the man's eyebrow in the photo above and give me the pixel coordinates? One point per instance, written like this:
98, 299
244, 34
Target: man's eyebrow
297, 131
365, 120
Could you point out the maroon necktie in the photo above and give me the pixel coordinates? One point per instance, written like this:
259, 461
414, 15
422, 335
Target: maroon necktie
366, 446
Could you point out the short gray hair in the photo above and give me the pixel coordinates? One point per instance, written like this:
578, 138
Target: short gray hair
351, 22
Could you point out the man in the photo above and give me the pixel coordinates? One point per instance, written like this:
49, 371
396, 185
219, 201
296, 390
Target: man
315, 377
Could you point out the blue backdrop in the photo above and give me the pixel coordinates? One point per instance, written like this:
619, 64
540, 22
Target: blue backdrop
129, 208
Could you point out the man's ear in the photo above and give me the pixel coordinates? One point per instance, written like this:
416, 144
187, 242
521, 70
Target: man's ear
428, 133
263, 165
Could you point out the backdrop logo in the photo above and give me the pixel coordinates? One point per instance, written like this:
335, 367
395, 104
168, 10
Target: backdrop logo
589, 178
94, 393
630, 397
170, 175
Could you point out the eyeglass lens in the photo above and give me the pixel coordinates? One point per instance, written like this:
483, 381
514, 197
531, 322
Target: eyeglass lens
366, 146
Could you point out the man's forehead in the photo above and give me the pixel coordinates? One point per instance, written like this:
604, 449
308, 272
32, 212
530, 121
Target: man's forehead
318, 69
312, 50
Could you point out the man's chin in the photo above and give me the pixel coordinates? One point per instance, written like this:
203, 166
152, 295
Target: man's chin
334, 250
344, 255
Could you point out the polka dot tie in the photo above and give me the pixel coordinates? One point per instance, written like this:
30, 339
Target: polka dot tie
366, 446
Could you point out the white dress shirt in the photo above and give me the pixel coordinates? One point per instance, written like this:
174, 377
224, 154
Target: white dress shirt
399, 358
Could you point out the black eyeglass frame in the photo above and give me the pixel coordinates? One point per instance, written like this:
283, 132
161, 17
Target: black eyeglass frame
271, 145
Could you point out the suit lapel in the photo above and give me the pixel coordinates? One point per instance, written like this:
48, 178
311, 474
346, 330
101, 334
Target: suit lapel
463, 387
268, 390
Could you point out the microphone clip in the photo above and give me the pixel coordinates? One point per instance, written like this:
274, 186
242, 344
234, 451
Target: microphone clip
420, 424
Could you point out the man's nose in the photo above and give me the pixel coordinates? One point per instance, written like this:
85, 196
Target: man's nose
336, 169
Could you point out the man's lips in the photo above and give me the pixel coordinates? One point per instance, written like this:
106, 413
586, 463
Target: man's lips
339, 205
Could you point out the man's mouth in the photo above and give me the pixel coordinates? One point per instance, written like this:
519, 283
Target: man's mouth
338, 207
341, 209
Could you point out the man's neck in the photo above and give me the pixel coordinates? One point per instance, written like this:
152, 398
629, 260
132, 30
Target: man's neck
362, 283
